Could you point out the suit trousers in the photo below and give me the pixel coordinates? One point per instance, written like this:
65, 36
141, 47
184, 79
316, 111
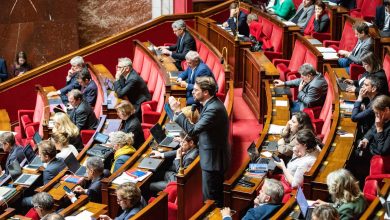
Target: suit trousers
344, 62
212, 186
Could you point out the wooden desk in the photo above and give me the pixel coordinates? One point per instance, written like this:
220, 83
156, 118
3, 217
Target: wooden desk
376, 210
5, 123
7, 213
82, 204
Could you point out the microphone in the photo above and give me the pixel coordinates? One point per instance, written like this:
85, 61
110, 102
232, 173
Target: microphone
193, 108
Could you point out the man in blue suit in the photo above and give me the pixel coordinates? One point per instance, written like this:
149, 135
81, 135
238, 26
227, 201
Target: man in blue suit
243, 27
88, 87
266, 203
195, 69
3, 71
47, 153
15, 152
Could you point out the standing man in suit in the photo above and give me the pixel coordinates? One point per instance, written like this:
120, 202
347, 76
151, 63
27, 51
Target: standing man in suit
363, 46
81, 113
129, 84
15, 152
3, 71
382, 18
312, 88
243, 27
88, 86
304, 12
78, 64
185, 42
266, 203
47, 153
195, 69
95, 167
213, 130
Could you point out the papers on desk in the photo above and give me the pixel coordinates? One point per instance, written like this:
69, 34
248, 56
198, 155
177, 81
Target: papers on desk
7, 192
347, 107
275, 129
325, 49
132, 176
330, 56
369, 24
282, 103
289, 23
314, 41
84, 215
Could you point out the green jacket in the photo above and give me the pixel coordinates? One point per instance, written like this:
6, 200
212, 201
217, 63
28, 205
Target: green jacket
285, 10
352, 210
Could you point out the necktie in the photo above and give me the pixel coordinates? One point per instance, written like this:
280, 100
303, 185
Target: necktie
192, 75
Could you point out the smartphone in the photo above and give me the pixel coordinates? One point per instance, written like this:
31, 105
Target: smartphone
67, 189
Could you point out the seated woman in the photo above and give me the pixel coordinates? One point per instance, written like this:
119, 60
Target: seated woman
187, 151
284, 9
20, 65
129, 199
298, 121
304, 156
254, 27
123, 146
345, 193
320, 20
373, 66
63, 124
61, 142
130, 122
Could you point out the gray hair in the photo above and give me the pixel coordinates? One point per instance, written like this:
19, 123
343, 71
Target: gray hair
76, 94
125, 61
323, 212
121, 138
77, 61
307, 69
274, 189
179, 24
95, 164
43, 200
252, 17
192, 55
53, 216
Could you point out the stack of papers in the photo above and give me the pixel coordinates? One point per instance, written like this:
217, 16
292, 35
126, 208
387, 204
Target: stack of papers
132, 177
289, 23
330, 56
326, 50
314, 41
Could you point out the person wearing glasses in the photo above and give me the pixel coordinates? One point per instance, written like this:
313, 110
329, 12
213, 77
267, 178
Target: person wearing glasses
130, 85
266, 203
187, 151
43, 204
185, 42
129, 199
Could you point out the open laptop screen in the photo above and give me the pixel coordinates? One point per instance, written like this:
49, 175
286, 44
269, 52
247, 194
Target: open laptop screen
37, 138
157, 133
101, 138
72, 163
252, 152
169, 111
302, 202
29, 153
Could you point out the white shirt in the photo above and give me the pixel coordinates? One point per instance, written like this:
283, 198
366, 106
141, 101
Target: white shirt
66, 151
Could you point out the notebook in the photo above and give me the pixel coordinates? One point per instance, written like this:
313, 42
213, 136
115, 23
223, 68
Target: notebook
160, 137
101, 138
303, 203
150, 163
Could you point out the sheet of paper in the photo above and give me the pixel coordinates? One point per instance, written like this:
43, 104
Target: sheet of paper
347, 135
124, 178
281, 103
275, 129
289, 23
326, 50
329, 56
266, 154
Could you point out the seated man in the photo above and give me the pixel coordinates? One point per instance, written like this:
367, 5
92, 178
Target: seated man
378, 137
47, 153
312, 88
195, 68
304, 12
266, 203
187, 151
95, 167
78, 64
382, 18
232, 20
185, 42
88, 87
81, 113
363, 46
129, 84
15, 152
129, 199
43, 204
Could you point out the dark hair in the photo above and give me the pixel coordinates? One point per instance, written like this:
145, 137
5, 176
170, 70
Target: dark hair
76, 94
188, 138
386, 2
381, 103
377, 83
84, 74
47, 148
320, 4
307, 137
207, 83
373, 61
23, 55
361, 27
304, 121
325, 212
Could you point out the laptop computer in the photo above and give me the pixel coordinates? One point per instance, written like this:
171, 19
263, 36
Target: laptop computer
169, 111
159, 135
20, 178
150, 163
34, 161
74, 166
153, 49
101, 138
342, 85
303, 203
37, 138
253, 152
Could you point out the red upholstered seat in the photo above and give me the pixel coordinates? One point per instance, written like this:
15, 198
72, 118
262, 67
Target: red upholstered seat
348, 39
255, 29
86, 135
379, 169
294, 90
272, 45
27, 117
366, 10
98, 109
356, 70
171, 189
286, 66
386, 68
151, 110
138, 61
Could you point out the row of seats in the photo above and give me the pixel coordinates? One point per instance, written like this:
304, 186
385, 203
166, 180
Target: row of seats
365, 9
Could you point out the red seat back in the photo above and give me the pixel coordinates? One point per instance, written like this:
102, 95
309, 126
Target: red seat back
296, 60
386, 68
138, 60
348, 39
326, 112
277, 38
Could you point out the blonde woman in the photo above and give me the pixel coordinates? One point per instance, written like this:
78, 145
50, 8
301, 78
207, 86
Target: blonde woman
61, 142
193, 117
346, 194
123, 146
63, 124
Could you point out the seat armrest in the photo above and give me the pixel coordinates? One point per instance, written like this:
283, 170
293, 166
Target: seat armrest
271, 55
327, 43
321, 36
279, 61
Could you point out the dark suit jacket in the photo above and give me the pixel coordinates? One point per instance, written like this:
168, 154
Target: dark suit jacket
379, 142
380, 17
84, 117
380, 74
180, 50
201, 70
134, 88
213, 129
3, 70
261, 212
53, 168
127, 214
71, 84
15, 154
90, 93
94, 191
133, 125
322, 24
243, 27
170, 174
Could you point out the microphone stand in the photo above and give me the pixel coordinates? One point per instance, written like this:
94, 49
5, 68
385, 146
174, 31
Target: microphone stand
237, 15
